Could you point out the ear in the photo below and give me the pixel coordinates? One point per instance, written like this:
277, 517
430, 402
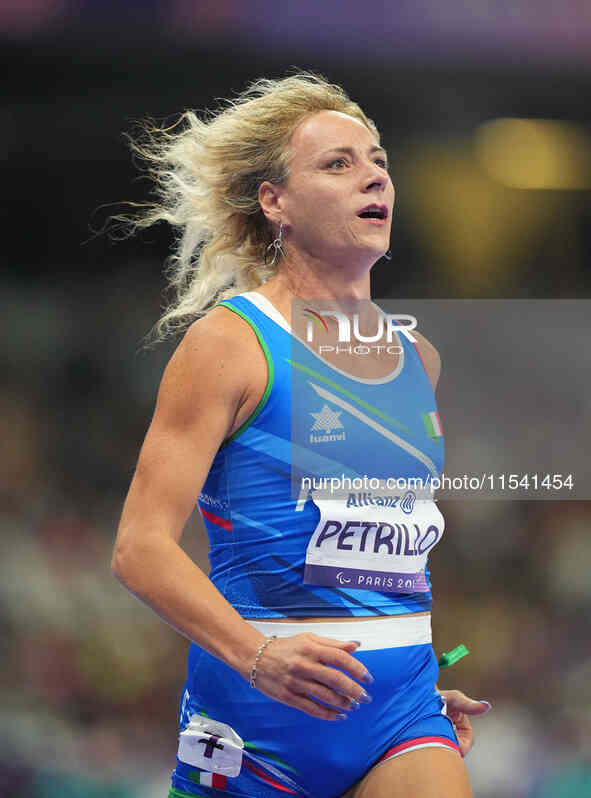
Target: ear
271, 202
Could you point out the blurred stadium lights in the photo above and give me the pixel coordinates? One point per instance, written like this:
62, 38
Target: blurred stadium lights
23, 18
519, 33
535, 153
476, 232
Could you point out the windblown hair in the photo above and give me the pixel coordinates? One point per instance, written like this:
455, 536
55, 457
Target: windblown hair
207, 173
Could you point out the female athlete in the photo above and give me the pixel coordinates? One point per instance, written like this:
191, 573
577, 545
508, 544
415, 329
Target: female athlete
310, 669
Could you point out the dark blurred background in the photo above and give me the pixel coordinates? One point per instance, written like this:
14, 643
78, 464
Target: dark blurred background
485, 110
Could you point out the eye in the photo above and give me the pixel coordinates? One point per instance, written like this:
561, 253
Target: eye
337, 160
382, 162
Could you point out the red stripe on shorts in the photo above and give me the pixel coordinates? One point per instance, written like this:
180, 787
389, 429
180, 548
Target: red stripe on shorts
419, 741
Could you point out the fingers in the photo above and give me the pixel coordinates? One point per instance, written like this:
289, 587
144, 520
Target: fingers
320, 692
459, 702
305, 669
330, 652
315, 710
464, 731
305, 695
310, 677
337, 682
328, 641
458, 709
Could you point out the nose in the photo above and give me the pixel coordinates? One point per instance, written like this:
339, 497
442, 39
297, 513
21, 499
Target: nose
376, 176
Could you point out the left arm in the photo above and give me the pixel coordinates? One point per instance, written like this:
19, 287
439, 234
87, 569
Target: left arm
430, 357
458, 706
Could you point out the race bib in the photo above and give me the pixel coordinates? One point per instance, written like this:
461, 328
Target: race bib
373, 542
211, 745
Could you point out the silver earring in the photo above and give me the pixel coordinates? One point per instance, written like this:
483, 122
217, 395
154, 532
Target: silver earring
276, 246
388, 255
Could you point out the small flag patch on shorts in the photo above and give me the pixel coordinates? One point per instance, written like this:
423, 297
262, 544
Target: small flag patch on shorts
432, 424
209, 779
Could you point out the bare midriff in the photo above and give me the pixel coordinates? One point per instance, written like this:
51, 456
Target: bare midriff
336, 620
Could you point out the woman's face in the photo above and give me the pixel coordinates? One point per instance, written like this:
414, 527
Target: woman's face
338, 169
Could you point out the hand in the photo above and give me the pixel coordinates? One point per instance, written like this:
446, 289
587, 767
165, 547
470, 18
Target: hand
297, 670
458, 708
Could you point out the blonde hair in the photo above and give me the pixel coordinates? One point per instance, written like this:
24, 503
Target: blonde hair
207, 174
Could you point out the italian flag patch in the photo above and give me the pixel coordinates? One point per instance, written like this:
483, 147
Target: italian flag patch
209, 779
432, 424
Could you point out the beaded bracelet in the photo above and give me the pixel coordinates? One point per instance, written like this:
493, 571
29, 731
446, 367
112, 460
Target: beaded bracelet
253, 672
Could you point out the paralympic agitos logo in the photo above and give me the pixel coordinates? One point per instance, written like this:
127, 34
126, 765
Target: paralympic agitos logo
387, 325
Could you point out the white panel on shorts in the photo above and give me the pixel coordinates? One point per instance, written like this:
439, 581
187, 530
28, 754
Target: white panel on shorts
374, 634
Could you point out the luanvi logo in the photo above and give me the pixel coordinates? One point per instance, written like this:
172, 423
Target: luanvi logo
325, 422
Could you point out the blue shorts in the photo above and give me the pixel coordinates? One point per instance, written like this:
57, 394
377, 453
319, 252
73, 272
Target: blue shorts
286, 751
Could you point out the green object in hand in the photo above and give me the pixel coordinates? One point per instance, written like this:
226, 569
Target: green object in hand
450, 657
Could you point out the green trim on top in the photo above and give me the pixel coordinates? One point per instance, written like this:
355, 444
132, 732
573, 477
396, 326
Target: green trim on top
270, 376
352, 396
176, 793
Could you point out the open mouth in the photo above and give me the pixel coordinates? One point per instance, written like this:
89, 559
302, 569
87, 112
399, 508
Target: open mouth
374, 212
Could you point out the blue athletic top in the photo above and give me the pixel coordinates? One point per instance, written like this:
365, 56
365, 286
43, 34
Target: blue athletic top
281, 543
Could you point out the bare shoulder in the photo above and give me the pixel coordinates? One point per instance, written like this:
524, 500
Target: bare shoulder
221, 331
207, 374
220, 325
203, 392
430, 357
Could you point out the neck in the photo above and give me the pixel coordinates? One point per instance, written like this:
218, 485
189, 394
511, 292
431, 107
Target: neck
347, 290
312, 278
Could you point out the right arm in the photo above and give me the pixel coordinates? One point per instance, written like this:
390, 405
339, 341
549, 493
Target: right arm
199, 396
203, 387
